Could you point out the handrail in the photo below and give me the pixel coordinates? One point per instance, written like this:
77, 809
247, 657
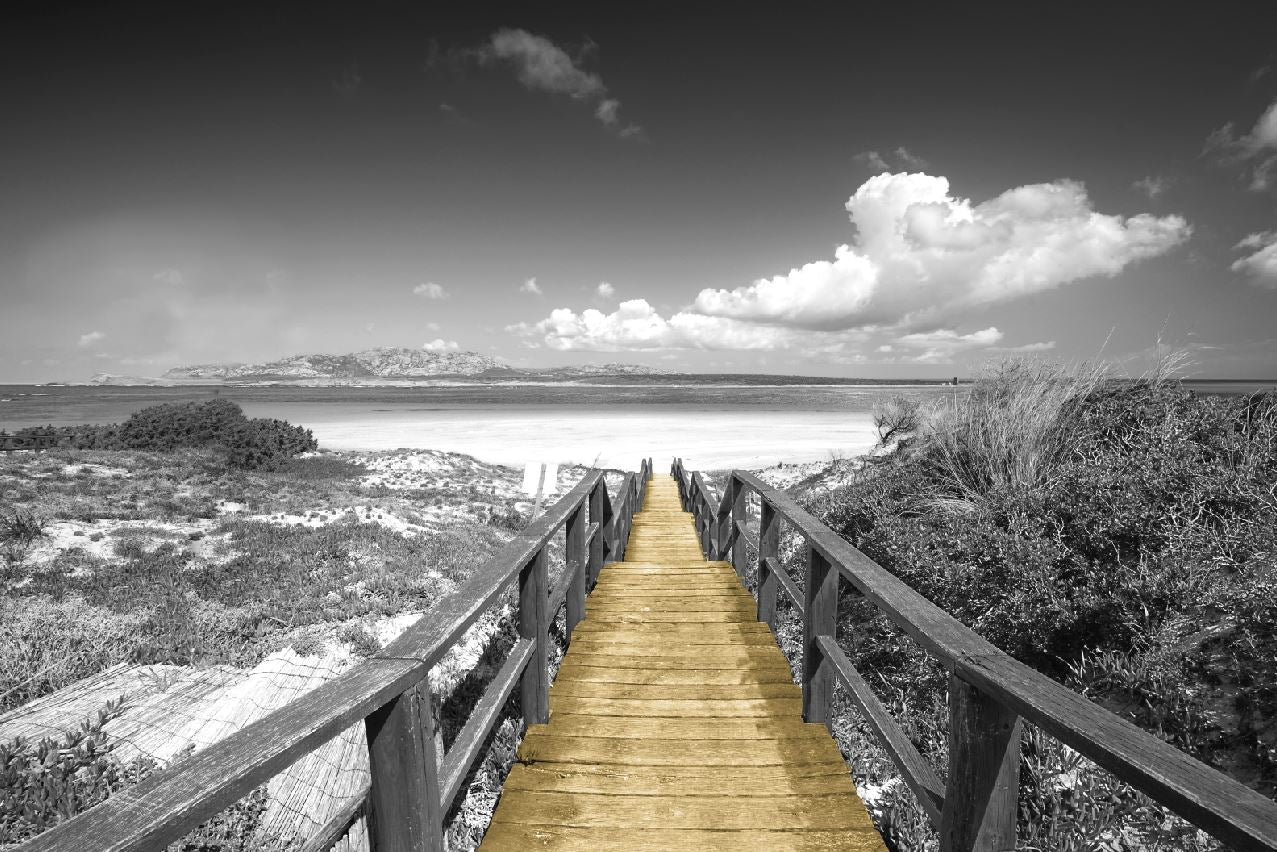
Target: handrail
990, 691
412, 786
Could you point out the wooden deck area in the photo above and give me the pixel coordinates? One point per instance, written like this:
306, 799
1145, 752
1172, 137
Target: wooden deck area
675, 722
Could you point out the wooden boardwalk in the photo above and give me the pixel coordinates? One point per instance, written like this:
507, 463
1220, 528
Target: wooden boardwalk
675, 722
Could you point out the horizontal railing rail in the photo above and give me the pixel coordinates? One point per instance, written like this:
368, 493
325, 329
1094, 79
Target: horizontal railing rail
990, 692
412, 784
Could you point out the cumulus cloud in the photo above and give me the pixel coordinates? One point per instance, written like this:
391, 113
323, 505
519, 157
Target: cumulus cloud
92, 337
605, 290
920, 261
169, 276
430, 290
1260, 265
1154, 186
1255, 152
440, 345
921, 254
530, 287
541, 65
636, 325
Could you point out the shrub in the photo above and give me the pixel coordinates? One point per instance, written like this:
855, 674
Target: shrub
252, 444
1118, 536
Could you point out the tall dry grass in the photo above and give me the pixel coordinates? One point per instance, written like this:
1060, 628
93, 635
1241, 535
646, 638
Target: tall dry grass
1009, 431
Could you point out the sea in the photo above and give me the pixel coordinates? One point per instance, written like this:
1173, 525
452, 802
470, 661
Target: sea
709, 426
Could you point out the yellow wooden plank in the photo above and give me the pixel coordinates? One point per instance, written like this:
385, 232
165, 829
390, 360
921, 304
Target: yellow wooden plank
719, 728
676, 634
521, 838
720, 658
540, 748
720, 813
708, 617
755, 673
596, 689
624, 707
613, 779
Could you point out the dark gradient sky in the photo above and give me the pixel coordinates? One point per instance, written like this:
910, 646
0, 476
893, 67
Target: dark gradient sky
193, 182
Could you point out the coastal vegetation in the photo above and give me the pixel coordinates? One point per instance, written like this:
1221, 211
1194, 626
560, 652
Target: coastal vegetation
1120, 537
175, 562
218, 424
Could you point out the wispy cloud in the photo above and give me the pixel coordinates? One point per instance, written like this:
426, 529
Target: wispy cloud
441, 345
1153, 186
920, 262
541, 65
1255, 152
1040, 346
170, 276
901, 159
430, 290
347, 83
530, 287
1260, 265
92, 337
605, 290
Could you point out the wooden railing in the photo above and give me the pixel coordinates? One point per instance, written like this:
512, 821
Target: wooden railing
28, 440
989, 691
413, 784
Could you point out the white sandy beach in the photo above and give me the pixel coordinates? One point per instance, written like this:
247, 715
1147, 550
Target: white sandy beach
619, 437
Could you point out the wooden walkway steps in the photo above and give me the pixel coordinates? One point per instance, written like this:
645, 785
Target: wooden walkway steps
675, 722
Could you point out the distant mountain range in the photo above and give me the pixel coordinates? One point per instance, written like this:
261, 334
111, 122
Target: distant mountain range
376, 366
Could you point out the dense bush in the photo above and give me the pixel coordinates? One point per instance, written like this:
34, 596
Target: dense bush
252, 444
1118, 536
48, 781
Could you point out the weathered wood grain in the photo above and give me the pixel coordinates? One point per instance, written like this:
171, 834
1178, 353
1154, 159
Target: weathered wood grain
820, 619
534, 620
609, 673
718, 692
714, 728
984, 772
404, 811
519, 838
466, 747
574, 568
542, 747
917, 773
664, 812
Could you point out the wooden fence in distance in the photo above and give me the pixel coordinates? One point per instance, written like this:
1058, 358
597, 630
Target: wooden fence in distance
412, 784
989, 691
30, 440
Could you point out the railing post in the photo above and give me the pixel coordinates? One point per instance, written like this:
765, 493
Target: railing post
605, 502
984, 773
575, 563
707, 529
404, 811
768, 548
722, 525
596, 543
740, 516
534, 607
820, 619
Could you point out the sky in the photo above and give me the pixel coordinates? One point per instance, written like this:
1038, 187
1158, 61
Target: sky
823, 189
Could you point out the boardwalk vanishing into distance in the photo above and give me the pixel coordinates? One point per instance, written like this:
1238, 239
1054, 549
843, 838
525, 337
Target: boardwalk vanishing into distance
674, 720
